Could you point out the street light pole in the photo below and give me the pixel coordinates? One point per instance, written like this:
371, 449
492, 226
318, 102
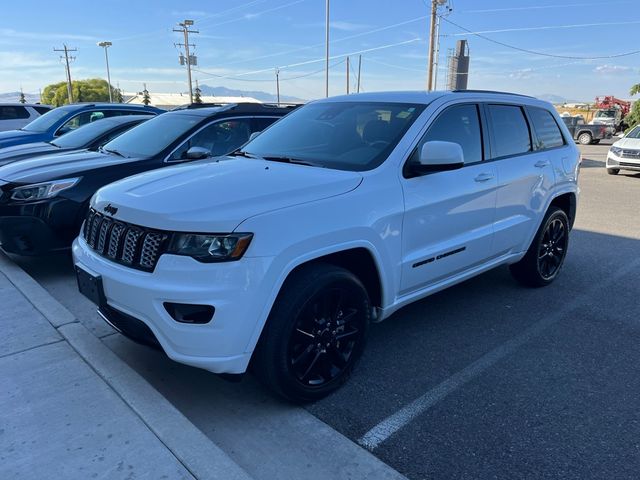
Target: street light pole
106, 45
326, 59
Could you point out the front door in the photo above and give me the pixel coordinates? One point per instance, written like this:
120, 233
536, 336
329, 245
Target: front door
448, 220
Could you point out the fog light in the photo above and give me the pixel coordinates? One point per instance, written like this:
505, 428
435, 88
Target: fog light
188, 313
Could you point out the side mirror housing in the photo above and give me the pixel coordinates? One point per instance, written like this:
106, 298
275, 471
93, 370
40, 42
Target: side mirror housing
197, 153
254, 135
437, 156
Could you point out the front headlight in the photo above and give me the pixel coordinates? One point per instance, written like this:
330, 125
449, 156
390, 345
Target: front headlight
210, 248
40, 191
616, 151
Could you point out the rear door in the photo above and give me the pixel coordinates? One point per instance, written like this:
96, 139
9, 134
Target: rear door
448, 220
525, 174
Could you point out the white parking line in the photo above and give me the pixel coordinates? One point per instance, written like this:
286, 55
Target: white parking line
390, 425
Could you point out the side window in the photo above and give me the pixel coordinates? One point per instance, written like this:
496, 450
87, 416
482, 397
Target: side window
511, 134
219, 138
259, 124
13, 113
458, 124
41, 110
82, 119
547, 132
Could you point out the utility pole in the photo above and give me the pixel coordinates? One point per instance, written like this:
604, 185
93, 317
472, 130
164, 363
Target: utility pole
278, 84
66, 51
347, 75
326, 57
359, 70
432, 46
106, 45
184, 28
437, 55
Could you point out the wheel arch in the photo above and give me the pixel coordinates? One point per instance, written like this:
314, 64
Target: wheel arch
360, 259
567, 202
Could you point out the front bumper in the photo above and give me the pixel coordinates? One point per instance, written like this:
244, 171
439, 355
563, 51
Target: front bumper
40, 227
622, 163
237, 290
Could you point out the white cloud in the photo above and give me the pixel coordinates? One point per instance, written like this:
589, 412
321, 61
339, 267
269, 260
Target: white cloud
7, 32
609, 69
20, 60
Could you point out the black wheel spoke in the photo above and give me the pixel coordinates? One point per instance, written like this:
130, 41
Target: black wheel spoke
302, 355
338, 358
311, 365
341, 336
348, 316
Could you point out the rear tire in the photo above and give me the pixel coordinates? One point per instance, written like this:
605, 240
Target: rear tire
544, 259
315, 334
613, 171
585, 138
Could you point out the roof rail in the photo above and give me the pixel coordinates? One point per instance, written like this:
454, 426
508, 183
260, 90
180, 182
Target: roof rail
237, 105
492, 91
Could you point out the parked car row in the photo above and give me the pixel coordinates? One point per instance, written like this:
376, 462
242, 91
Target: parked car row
257, 236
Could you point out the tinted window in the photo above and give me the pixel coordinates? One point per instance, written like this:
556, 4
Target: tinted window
41, 110
510, 131
259, 124
547, 132
83, 119
219, 138
13, 113
154, 135
342, 135
82, 137
461, 125
635, 133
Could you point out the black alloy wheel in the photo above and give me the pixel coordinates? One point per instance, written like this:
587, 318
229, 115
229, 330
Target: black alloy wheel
315, 333
552, 249
325, 337
544, 259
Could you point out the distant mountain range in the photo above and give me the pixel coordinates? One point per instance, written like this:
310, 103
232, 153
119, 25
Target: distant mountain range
258, 95
12, 97
549, 97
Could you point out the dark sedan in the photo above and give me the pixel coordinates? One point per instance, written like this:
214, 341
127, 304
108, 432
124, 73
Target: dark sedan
62, 120
88, 137
44, 200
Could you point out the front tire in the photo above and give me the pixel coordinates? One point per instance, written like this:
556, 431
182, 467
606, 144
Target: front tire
315, 334
544, 259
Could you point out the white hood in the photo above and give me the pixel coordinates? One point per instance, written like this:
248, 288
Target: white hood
216, 197
631, 143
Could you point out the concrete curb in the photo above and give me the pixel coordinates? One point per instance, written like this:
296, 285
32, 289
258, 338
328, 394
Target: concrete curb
187, 443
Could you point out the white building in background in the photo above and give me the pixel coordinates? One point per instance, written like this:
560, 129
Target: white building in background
172, 100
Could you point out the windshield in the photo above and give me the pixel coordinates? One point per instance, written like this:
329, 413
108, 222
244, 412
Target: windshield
83, 136
635, 133
153, 136
354, 136
606, 114
46, 121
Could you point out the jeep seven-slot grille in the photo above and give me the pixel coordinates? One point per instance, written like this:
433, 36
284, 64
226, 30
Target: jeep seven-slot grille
131, 245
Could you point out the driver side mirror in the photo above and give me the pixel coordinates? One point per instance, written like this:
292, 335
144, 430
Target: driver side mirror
197, 153
254, 135
437, 156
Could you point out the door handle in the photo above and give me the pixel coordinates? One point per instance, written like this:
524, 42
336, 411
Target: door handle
484, 177
541, 163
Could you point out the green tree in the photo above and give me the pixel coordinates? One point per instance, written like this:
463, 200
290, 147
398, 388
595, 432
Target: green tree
146, 98
635, 89
633, 118
197, 97
90, 90
22, 99
119, 97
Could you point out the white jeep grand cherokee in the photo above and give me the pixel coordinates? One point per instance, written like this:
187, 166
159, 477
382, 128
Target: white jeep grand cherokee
337, 215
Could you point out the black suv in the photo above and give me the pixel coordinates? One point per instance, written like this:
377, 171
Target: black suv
43, 201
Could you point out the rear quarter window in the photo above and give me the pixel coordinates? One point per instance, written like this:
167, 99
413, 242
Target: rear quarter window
41, 110
548, 133
11, 112
511, 135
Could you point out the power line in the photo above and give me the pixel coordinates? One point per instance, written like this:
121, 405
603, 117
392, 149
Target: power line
542, 54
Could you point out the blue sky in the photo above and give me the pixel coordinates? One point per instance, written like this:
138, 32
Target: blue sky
241, 42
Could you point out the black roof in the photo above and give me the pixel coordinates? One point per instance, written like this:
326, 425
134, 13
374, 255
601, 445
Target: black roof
207, 109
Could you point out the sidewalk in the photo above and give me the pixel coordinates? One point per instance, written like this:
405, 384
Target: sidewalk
71, 409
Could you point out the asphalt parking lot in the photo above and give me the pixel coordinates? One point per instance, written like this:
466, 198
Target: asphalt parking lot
485, 380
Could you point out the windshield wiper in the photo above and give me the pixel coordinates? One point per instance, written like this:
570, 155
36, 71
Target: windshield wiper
114, 152
285, 159
242, 153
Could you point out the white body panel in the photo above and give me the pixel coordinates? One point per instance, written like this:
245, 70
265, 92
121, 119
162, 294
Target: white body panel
300, 213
